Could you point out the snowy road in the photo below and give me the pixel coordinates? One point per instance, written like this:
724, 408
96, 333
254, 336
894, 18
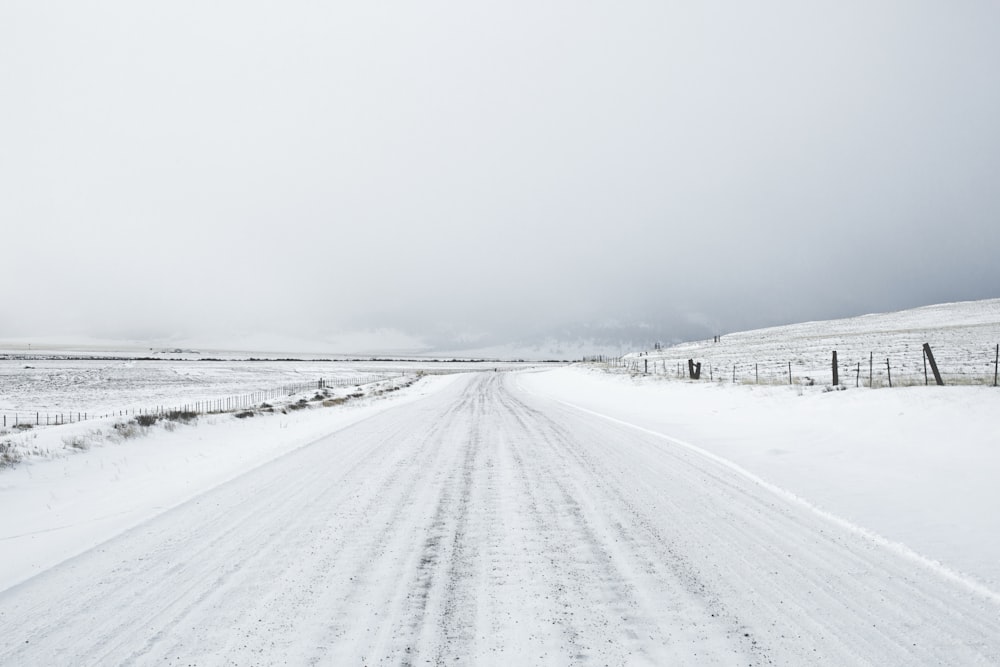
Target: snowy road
486, 525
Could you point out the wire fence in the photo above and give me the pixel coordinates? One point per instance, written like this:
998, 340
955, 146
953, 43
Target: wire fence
25, 419
895, 368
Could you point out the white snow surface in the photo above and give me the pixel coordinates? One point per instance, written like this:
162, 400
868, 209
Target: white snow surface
63, 501
53, 385
963, 337
916, 465
508, 518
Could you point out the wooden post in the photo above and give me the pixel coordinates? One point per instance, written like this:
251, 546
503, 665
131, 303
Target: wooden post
857, 378
929, 356
925, 367
756, 375
734, 373
996, 365
789, 372
888, 371
645, 366
871, 368
836, 375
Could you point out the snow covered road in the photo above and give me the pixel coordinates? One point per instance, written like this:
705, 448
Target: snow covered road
486, 525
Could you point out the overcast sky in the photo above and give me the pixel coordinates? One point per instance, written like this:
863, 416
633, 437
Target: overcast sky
475, 173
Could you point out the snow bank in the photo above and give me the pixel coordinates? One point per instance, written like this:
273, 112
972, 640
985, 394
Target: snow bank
916, 465
58, 506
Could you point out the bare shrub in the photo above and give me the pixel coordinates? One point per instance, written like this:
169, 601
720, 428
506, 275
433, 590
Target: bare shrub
9, 454
146, 420
183, 416
76, 442
127, 430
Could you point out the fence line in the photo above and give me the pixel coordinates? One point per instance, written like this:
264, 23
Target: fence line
893, 370
24, 419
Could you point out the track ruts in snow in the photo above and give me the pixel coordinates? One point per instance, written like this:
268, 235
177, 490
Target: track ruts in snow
483, 525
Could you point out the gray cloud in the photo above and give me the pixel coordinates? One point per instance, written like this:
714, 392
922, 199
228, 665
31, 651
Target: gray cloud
475, 174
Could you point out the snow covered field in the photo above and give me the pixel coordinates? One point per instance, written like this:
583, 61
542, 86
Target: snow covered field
963, 338
570, 516
68, 500
918, 466
485, 522
83, 385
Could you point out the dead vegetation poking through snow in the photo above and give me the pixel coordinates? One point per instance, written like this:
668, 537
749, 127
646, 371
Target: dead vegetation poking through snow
15, 448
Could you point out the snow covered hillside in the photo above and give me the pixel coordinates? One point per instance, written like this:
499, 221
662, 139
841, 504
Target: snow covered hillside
963, 338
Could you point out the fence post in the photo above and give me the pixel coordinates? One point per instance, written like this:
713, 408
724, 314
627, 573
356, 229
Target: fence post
756, 375
888, 371
857, 378
996, 365
789, 372
836, 376
929, 356
871, 368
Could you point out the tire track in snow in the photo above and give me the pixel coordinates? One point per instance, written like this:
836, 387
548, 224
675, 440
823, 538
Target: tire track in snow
663, 638
218, 549
484, 525
766, 559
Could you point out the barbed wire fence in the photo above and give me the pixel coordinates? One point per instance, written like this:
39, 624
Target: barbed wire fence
893, 368
23, 419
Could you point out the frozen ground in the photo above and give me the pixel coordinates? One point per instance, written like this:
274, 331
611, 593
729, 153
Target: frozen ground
489, 521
